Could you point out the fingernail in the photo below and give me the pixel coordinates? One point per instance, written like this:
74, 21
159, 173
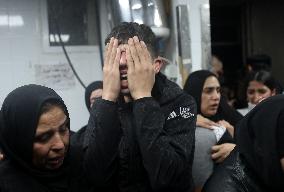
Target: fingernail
136, 39
115, 42
130, 41
143, 44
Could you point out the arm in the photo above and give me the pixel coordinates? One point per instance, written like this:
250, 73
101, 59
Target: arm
167, 146
103, 140
103, 126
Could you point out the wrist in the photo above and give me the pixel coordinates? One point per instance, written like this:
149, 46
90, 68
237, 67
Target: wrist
109, 97
140, 95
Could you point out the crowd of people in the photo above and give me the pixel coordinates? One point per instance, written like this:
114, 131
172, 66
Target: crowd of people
145, 133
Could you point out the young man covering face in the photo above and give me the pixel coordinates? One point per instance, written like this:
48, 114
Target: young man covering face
144, 124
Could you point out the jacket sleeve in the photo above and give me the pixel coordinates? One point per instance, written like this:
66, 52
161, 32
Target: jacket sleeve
103, 140
166, 142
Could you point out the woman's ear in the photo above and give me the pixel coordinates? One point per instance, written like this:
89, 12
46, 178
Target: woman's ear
158, 63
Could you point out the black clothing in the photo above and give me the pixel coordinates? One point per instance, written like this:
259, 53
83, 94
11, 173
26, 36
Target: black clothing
81, 137
233, 175
255, 163
145, 145
19, 118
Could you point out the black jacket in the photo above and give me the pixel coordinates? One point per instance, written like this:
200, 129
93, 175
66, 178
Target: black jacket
146, 145
235, 175
254, 165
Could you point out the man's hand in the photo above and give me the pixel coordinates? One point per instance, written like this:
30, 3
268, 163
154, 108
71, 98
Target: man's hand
204, 122
228, 126
221, 152
140, 73
111, 74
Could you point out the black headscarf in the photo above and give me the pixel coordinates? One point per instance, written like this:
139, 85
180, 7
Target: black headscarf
194, 86
19, 119
260, 141
89, 89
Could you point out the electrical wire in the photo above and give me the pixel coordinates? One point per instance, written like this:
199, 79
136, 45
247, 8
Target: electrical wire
98, 22
58, 31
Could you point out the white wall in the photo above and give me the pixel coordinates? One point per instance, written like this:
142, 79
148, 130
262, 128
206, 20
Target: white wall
21, 48
194, 8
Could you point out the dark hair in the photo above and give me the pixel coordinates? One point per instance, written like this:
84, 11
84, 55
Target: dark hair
126, 30
259, 62
264, 77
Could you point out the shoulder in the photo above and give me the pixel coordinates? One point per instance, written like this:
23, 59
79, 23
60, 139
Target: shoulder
16, 180
10, 177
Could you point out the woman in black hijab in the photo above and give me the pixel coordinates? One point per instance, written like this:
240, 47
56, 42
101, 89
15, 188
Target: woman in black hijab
212, 109
194, 86
93, 91
34, 135
257, 163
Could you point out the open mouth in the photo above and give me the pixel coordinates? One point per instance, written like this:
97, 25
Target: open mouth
56, 161
123, 77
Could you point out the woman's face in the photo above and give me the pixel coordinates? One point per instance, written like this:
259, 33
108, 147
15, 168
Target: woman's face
210, 97
51, 139
94, 95
257, 91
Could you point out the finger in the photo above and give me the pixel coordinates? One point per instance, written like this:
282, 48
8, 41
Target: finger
113, 53
139, 50
117, 59
129, 59
147, 59
206, 125
216, 155
213, 123
108, 51
215, 148
136, 62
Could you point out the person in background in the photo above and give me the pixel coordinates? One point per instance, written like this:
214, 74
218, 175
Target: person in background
258, 62
92, 92
257, 162
254, 63
215, 115
35, 138
261, 85
217, 67
144, 124
227, 90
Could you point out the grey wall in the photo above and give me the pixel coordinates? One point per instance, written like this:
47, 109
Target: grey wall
22, 51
